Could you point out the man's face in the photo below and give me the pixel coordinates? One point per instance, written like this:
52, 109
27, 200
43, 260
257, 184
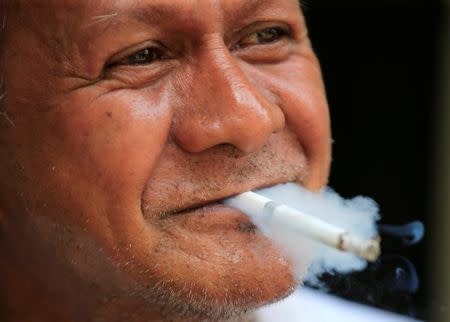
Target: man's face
128, 120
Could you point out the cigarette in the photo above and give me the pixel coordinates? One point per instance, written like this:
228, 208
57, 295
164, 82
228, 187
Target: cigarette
299, 222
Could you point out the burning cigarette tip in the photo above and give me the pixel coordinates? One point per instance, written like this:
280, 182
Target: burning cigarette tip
368, 249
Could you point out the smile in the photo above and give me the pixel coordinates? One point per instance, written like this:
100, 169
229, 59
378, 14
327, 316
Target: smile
216, 203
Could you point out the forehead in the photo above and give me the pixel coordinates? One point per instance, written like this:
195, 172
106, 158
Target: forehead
69, 30
158, 7
43, 16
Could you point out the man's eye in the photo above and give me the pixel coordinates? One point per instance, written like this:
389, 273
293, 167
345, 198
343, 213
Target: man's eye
143, 57
265, 36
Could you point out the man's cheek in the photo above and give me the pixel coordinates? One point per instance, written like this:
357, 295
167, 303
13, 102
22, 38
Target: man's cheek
298, 91
90, 162
94, 162
119, 138
310, 121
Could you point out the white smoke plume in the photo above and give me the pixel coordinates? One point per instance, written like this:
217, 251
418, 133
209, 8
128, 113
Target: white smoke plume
310, 258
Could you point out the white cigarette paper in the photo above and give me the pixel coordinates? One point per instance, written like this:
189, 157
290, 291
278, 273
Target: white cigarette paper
295, 221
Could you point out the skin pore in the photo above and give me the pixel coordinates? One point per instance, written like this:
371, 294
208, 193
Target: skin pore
124, 122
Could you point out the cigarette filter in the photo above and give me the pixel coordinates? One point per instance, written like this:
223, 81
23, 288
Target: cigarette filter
298, 222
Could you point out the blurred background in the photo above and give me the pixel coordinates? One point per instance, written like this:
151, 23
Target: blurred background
386, 66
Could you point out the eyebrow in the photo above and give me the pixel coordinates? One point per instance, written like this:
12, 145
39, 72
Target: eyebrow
151, 12
157, 11
250, 5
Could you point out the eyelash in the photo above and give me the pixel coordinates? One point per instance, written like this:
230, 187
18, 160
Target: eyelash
141, 57
149, 55
277, 33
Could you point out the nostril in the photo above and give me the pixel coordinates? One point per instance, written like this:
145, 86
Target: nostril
230, 150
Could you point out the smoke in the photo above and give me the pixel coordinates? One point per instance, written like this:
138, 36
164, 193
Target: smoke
310, 258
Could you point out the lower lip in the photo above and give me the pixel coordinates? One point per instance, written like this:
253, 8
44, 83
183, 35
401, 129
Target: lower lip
214, 212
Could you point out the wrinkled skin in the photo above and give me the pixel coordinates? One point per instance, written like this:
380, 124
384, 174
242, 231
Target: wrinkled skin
110, 165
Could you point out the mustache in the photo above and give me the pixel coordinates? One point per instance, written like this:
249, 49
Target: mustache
188, 181
198, 202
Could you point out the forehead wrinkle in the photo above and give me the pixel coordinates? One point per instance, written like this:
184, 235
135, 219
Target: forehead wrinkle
152, 12
142, 11
187, 16
102, 18
184, 13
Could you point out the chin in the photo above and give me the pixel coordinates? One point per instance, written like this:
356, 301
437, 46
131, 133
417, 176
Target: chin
217, 289
212, 263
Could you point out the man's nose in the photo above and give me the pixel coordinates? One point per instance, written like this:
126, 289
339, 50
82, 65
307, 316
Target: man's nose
222, 106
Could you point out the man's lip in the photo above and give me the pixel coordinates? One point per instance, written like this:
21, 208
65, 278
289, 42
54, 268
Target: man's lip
192, 209
197, 207
216, 201
214, 216
204, 208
